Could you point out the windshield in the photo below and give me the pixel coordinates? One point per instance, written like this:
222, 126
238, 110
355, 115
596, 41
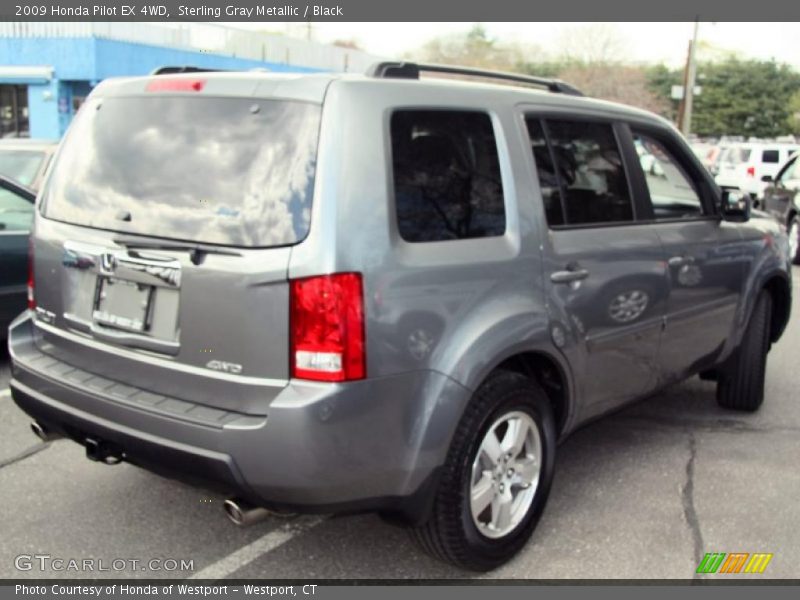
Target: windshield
21, 165
231, 171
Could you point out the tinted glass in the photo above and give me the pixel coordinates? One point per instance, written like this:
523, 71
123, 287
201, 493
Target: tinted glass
217, 170
21, 165
590, 172
770, 156
671, 190
546, 170
446, 176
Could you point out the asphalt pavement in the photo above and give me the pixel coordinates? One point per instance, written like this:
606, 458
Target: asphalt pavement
643, 493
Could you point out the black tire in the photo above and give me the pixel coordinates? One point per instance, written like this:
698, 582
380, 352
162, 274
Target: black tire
450, 533
741, 379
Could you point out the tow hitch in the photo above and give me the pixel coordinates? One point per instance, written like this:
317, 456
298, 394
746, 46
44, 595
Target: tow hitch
103, 452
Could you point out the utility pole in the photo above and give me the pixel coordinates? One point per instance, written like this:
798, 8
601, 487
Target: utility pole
690, 76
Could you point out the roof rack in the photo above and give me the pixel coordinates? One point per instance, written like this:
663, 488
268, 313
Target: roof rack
409, 70
172, 70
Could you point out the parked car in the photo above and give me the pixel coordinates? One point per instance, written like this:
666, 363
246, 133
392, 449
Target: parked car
782, 200
746, 165
16, 216
26, 160
327, 293
22, 165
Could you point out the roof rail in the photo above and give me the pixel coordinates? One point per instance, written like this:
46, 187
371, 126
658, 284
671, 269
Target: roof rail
172, 70
410, 70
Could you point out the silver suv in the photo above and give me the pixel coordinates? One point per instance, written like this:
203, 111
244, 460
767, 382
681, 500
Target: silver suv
335, 293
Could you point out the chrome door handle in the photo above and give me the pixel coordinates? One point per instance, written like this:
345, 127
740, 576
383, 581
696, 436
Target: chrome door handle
679, 261
569, 276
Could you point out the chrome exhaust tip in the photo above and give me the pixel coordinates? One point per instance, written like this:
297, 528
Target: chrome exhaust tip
43, 433
243, 513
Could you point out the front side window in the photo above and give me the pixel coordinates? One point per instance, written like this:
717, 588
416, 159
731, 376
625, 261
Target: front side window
447, 182
671, 190
580, 164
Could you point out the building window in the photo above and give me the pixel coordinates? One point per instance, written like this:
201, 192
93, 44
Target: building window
14, 111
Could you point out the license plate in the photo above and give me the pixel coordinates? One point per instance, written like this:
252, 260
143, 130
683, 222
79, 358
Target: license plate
122, 304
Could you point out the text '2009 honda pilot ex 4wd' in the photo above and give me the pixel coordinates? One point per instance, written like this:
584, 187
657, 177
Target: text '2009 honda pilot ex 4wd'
330, 293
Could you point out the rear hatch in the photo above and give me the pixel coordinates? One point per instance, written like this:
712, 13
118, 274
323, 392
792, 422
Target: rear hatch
168, 220
733, 166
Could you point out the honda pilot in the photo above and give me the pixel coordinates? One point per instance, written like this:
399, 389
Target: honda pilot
393, 293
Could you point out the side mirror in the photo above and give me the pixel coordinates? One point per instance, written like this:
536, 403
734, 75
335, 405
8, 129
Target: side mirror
767, 179
736, 206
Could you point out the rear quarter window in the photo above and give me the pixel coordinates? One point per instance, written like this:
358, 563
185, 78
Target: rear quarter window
446, 175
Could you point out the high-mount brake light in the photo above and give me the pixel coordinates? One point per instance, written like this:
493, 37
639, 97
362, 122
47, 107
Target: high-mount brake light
175, 85
327, 328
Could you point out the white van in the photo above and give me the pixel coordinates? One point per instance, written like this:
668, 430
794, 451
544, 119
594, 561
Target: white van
745, 165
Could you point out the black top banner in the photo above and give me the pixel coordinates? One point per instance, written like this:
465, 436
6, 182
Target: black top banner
399, 10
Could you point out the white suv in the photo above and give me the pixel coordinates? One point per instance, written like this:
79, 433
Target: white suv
745, 165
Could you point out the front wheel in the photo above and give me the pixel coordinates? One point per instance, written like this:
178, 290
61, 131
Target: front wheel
740, 383
497, 476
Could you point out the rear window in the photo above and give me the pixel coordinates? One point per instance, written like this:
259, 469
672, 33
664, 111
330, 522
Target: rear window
770, 156
735, 156
22, 165
230, 171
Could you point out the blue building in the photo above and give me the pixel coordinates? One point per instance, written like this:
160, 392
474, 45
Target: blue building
48, 69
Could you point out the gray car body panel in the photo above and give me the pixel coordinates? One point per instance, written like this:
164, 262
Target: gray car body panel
440, 316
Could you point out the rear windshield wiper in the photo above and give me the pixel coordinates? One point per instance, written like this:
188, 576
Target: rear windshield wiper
197, 252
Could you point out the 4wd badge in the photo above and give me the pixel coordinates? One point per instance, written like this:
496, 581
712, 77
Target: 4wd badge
227, 367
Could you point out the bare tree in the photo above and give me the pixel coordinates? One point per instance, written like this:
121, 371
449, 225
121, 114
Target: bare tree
615, 82
591, 44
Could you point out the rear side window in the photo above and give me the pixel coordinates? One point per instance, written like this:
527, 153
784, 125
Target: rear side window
230, 171
770, 156
579, 164
446, 171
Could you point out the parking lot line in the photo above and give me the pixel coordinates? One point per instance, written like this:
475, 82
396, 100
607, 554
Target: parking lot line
266, 543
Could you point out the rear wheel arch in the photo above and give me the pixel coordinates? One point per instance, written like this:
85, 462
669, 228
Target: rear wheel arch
779, 289
551, 375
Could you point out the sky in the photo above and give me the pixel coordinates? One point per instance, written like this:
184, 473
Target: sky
642, 42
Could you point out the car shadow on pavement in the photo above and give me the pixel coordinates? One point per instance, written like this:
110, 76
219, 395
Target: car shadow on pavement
621, 474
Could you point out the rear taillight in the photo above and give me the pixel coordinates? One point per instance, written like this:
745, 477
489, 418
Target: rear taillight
327, 328
31, 298
751, 171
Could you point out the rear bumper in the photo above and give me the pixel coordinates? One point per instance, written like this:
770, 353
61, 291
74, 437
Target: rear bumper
375, 444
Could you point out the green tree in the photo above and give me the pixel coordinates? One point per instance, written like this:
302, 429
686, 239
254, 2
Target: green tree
794, 113
744, 97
